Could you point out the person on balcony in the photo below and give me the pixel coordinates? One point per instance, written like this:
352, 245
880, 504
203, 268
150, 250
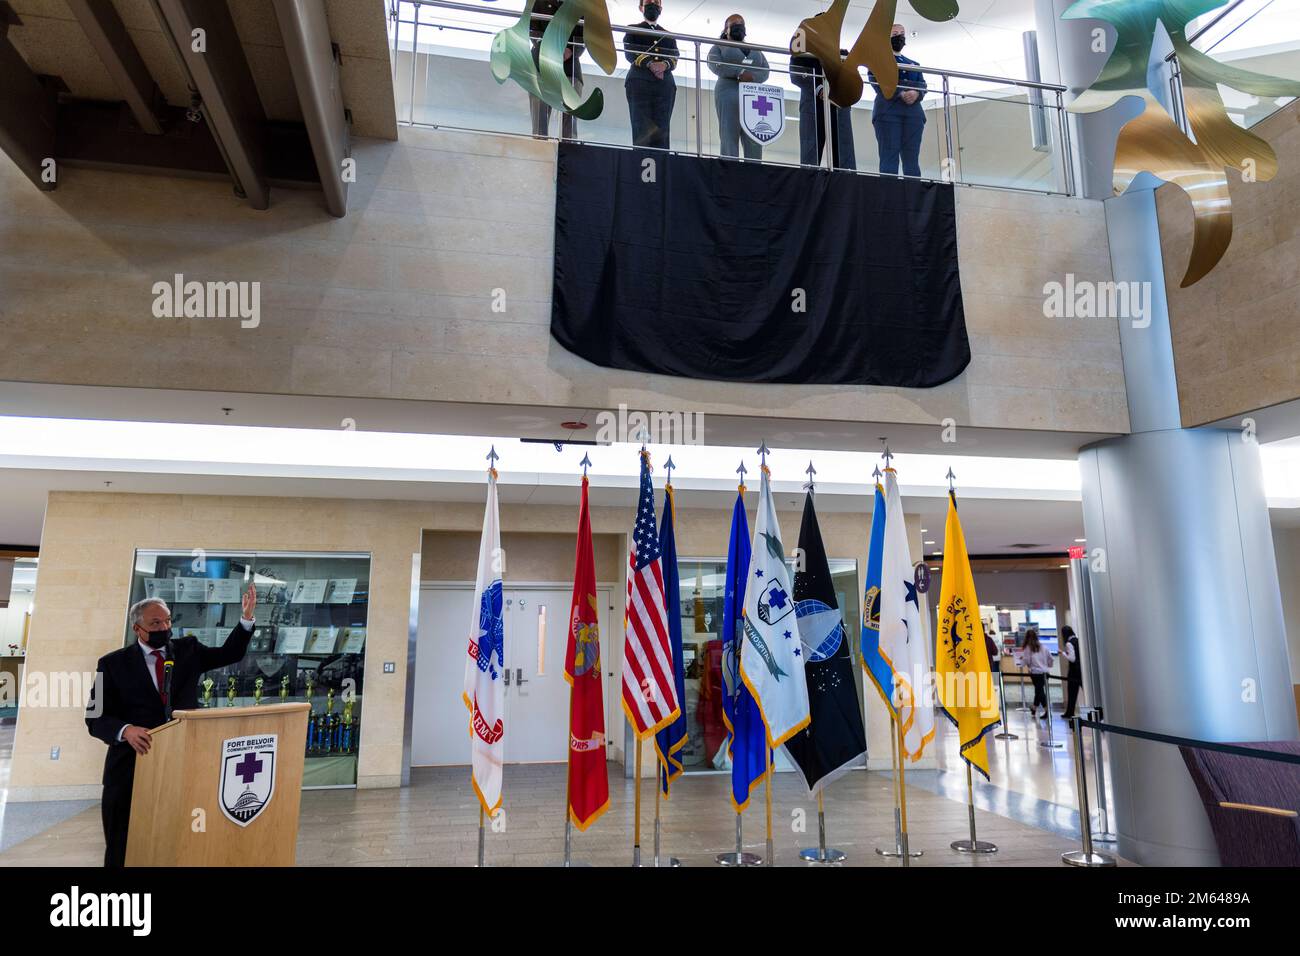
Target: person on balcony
651, 89
733, 66
807, 74
541, 112
900, 121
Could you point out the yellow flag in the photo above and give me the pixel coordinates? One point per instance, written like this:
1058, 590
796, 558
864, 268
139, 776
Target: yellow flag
965, 684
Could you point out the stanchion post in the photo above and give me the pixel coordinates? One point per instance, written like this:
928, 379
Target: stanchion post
1087, 856
771, 852
1006, 733
1051, 743
1099, 766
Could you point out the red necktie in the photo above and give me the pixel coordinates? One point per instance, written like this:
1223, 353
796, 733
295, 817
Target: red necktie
158, 670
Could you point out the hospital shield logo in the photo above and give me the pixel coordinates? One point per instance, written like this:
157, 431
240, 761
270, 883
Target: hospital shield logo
762, 111
247, 777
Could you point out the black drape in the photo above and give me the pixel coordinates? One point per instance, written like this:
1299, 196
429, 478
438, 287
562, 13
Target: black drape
701, 271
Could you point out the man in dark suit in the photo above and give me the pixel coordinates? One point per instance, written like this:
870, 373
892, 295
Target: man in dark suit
129, 697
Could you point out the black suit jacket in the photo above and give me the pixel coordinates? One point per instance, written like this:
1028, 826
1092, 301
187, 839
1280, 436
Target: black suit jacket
129, 696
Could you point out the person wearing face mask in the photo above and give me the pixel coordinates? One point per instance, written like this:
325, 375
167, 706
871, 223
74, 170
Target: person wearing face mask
131, 694
807, 74
651, 89
900, 122
733, 66
540, 111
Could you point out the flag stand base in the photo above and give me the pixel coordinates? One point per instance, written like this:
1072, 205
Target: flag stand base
738, 859
1080, 858
821, 855
973, 846
896, 852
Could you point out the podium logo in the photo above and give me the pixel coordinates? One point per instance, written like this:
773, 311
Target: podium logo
247, 777
76, 909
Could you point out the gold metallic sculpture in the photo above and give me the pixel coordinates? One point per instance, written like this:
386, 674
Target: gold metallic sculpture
512, 55
819, 36
1152, 142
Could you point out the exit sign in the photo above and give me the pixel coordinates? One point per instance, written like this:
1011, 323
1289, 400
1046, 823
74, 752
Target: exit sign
1076, 553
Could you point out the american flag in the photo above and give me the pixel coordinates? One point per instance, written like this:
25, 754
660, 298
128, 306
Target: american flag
649, 691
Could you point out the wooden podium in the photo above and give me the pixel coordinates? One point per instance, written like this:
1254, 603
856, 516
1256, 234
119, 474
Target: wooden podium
241, 767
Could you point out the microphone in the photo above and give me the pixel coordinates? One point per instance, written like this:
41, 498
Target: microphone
168, 664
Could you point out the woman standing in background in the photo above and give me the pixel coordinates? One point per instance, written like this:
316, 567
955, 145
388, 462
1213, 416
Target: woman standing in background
1038, 661
733, 66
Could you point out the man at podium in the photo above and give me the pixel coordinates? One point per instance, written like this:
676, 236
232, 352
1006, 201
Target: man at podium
134, 682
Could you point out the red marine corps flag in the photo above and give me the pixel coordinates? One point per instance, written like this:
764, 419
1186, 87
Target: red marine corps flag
588, 783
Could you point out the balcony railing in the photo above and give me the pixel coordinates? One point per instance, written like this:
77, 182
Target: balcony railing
980, 130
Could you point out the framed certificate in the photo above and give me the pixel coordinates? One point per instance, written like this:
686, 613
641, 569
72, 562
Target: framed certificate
291, 640
340, 590
162, 588
309, 591
322, 640
354, 640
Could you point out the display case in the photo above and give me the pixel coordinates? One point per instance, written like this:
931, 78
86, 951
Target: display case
308, 644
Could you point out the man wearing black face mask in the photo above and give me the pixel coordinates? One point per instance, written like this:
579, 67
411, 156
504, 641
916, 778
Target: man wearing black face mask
900, 122
129, 696
651, 89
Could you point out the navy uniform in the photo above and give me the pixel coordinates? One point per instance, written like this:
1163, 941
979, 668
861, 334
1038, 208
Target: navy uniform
899, 126
649, 99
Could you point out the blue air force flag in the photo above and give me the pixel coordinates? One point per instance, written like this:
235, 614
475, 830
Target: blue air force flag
484, 690
772, 658
762, 112
747, 736
902, 638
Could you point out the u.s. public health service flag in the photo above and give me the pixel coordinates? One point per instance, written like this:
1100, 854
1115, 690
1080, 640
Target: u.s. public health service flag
771, 657
484, 691
965, 682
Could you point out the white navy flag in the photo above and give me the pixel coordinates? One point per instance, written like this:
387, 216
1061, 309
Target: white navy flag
903, 639
771, 657
484, 690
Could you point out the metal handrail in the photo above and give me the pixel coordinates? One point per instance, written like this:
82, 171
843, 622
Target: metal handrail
693, 51
719, 41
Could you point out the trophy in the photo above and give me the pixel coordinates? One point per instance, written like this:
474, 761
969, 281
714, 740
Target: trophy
311, 715
345, 744
257, 691
208, 684
327, 723
284, 688
230, 691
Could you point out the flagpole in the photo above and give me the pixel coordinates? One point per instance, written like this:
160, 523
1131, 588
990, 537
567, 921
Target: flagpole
972, 845
659, 786
568, 753
481, 837
902, 798
740, 857
771, 854
636, 831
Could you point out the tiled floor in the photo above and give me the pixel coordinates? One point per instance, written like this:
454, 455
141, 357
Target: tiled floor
434, 821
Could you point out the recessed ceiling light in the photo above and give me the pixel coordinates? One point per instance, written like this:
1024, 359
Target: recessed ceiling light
573, 426
931, 542
1080, 540
1063, 566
